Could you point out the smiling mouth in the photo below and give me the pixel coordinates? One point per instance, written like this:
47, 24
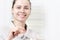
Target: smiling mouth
22, 15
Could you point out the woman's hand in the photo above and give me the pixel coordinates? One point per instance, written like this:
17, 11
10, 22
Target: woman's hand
15, 31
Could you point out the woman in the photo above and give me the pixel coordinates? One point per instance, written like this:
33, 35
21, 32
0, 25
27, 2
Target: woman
21, 10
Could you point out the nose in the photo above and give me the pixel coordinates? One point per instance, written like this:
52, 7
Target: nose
22, 10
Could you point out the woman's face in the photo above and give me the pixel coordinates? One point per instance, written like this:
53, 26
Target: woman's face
21, 10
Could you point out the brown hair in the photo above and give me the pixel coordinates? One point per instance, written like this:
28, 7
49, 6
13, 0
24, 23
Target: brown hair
15, 1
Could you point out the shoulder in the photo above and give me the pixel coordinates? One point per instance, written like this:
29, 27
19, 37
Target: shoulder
34, 35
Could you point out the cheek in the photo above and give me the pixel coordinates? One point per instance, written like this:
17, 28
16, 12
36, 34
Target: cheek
14, 11
28, 12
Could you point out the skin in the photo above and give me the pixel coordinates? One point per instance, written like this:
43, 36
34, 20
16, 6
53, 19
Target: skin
20, 12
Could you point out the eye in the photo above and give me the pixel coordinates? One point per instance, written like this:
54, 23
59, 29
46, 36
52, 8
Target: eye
26, 7
18, 7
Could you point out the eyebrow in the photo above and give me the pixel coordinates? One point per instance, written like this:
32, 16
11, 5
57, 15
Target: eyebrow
24, 5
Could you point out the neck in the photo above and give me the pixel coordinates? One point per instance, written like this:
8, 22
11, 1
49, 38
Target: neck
19, 24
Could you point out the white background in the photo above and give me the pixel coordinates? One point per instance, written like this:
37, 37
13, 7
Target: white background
52, 31
45, 12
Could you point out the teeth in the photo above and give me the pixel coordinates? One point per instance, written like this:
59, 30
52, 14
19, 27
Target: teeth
22, 15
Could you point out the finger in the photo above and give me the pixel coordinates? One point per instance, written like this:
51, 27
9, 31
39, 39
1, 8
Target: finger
16, 33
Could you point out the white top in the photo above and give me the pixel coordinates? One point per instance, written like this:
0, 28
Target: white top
29, 35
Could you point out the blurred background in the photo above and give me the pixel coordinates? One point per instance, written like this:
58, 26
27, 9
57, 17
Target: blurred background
36, 21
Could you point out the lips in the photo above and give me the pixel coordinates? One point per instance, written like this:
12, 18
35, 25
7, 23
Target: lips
21, 15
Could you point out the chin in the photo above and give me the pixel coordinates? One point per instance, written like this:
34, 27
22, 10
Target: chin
21, 20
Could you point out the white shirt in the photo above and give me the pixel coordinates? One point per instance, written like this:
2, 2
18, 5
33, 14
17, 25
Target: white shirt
29, 34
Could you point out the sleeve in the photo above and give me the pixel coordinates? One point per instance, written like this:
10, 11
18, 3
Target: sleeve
38, 37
